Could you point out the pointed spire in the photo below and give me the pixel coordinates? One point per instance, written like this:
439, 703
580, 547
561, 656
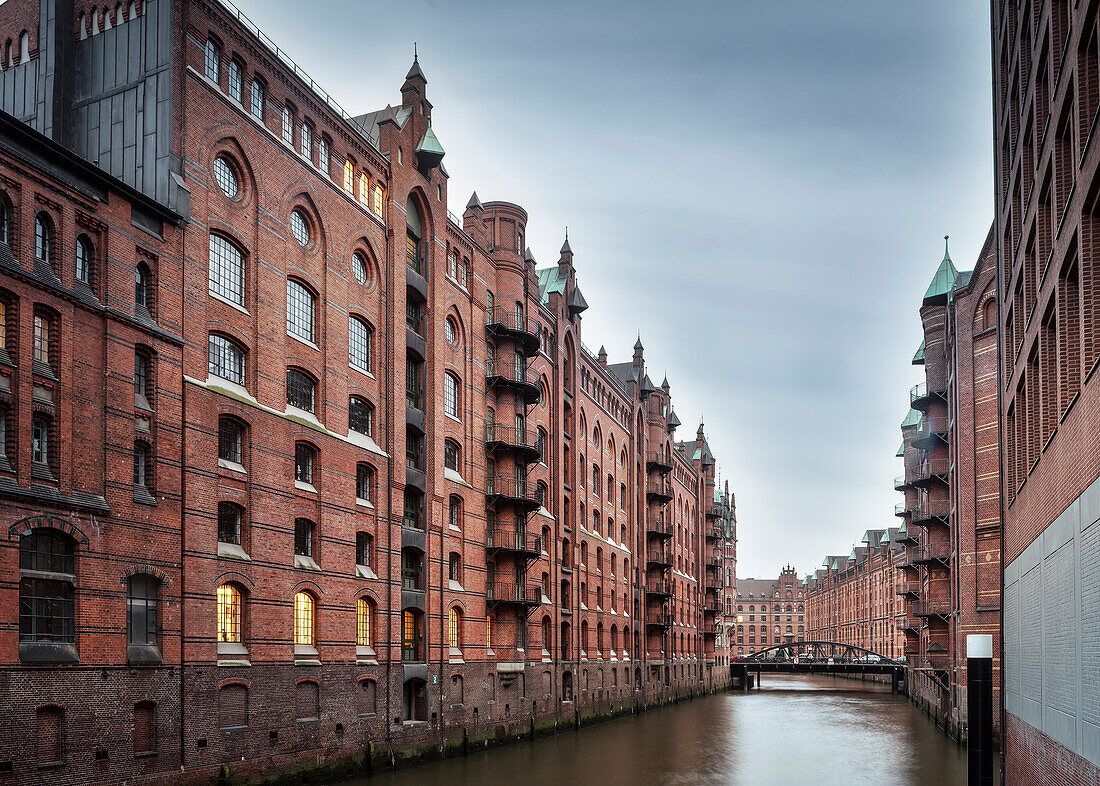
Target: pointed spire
565, 248
415, 71
638, 343
664, 385
602, 355
946, 253
944, 280
528, 256
474, 203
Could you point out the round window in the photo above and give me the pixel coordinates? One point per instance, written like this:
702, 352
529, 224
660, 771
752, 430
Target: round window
359, 263
450, 331
300, 228
226, 177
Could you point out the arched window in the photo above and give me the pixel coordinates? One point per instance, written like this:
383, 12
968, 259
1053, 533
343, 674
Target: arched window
360, 415
379, 202
299, 225
364, 190
451, 455
226, 359
85, 253
143, 466
360, 338
43, 238
305, 533
141, 610
303, 619
143, 287
226, 177
364, 482
47, 580
349, 175
454, 628
359, 267
412, 636
230, 440
454, 513
450, 331
230, 608
364, 549
299, 310
364, 623
451, 401
5, 219
454, 567
233, 80
412, 569
212, 59
304, 456
300, 390
258, 98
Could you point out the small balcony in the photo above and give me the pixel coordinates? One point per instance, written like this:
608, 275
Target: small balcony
659, 528
658, 588
930, 431
658, 618
932, 552
901, 510
930, 471
908, 624
939, 661
922, 395
659, 558
524, 444
518, 493
929, 511
712, 606
659, 462
715, 510
713, 534
523, 330
524, 595
516, 541
900, 484
932, 607
659, 490
909, 588
502, 372
714, 583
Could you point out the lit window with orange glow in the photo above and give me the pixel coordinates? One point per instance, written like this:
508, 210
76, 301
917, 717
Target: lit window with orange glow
303, 619
363, 636
229, 613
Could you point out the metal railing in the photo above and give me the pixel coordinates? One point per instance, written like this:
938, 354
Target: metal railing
659, 557
506, 592
908, 588
931, 468
514, 437
497, 486
659, 527
515, 321
512, 371
660, 488
662, 618
658, 587
933, 427
932, 607
513, 540
907, 623
932, 509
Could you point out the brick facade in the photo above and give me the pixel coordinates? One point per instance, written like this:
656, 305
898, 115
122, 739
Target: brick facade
770, 612
308, 313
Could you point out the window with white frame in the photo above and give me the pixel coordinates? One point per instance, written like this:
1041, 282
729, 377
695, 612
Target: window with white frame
212, 59
288, 124
450, 395
258, 98
226, 359
226, 270
299, 310
359, 344
233, 80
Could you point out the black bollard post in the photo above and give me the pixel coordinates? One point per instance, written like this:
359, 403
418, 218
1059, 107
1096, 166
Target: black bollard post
979, 709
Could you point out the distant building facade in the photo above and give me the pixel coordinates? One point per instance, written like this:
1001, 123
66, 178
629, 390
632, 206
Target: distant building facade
294, 459
769, 612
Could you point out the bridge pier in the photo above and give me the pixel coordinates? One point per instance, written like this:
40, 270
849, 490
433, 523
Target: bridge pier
894, 686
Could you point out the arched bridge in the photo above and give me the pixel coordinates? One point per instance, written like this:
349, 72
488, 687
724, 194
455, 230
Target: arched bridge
816, 657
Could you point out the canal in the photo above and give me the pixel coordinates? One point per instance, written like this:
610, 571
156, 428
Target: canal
796, 730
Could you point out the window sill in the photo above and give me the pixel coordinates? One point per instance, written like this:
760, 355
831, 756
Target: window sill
237, 663
307, 662
228, 649
364, 503
305, 562
304, 341
143, 496
361, 370
303, 415
232, 466
452, 475
143, 655
230, 303
232, 551
454, 586
301, 485
47, 652
364, 441
364, 572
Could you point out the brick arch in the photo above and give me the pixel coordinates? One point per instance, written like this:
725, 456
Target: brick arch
26, 525
234, 577
307, 585
223, 138
366, 593
145, 569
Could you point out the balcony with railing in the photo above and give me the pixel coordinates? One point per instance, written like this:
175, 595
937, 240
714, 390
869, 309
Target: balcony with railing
514, 324
659, 461
931, 470
932, 552
939, 661
900, 484
658, 618
908, 588
660, 490
931, 430
908, 624
513, 373
714, 583
523, 443
516, 541
932, 607
712, 606
659, 528
660, 588
515, 491
502, 592
928, 511
923, 394
659, 558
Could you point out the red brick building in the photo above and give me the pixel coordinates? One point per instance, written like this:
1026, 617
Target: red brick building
309, 561
854, 599
1045, 99
769, 612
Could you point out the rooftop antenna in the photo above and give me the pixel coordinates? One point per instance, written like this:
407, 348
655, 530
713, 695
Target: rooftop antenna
416, 58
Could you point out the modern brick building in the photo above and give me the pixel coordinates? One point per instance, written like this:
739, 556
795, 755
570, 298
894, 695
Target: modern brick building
273, 556
1046, 93
770, 612
854, 600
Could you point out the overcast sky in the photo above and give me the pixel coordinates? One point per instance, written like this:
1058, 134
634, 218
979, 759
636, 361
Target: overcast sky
760, 189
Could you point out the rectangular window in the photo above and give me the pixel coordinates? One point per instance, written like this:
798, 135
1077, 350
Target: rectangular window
364, 481
411, 510
299, 311
212, 59
233, 74
303, 463
363, 549
40, 440
411, 570
258, 98
141, 381
413, 386
450, 395
322, 156
41, 339
450, 455
306, 140
141, 610
349, 175
454, 568
414, 450
379, 200
226, 359
226, 270
229, 523
364, 190
230, 439
142, 475
288, 125
303, 537
360, 416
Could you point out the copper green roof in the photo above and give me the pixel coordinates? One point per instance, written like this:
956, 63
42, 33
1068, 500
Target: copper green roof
912, 419
550, 281
901, 450
945, 276
918, 359
429, 144
885, 538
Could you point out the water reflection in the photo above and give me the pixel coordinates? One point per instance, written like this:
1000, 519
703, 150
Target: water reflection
796, 730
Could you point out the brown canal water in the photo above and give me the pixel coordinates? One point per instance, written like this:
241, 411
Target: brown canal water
795, 730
